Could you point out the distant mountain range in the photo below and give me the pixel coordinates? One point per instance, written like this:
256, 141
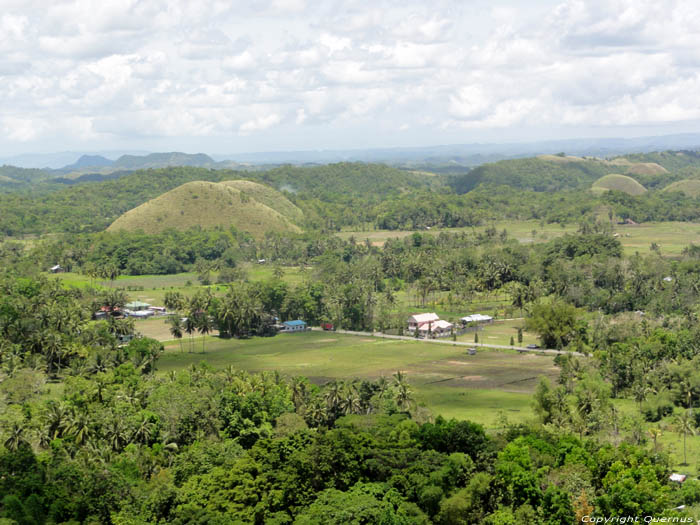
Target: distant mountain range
455, 156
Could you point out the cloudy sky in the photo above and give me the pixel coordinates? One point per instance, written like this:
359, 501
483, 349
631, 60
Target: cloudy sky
259, 75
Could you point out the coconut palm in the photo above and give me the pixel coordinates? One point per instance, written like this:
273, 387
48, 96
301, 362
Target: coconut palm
79, 426
115, 434
685, 425
190, 326
16, 437
655, 434
145, 430
300, 393
204, 326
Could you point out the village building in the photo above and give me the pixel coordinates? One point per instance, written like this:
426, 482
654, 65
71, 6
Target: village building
136, 306
476, 318
418, 320
56, 269
294, 326
435, 328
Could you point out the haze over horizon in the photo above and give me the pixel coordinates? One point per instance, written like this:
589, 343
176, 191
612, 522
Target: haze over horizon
286, 75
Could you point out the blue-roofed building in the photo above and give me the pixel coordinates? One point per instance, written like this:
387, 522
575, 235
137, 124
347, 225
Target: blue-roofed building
294, 326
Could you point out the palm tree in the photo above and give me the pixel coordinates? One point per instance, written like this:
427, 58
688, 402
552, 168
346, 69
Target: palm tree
686, 426
204, 326
655, 434
299, 392
402, 393
115, 434
176, 329
144, 431
190, 325
333, 397
16, 437
78, 425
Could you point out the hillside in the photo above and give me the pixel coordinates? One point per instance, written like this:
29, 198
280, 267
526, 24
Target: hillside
547, 173
269, 197
552, 173
204, 204
317, 189
690, 187
161, 160
618, 182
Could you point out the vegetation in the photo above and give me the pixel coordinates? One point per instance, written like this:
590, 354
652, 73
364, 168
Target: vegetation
205, 205
224, 421
618, 182
689, 187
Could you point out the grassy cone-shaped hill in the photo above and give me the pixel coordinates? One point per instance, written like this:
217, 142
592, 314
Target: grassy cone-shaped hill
268, 196
204, 204
618, 182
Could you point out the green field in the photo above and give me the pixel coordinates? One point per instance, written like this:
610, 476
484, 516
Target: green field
155, 286
445, 379
672, 237
490, 388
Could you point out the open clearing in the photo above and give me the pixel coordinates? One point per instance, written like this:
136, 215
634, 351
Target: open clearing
481, 387
672, 237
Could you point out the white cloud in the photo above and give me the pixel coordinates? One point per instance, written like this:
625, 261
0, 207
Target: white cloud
260, 123
124, 70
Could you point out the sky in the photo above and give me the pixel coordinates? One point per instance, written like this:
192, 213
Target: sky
269, 75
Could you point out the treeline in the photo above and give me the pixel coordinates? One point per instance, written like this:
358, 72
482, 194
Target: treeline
170, 252
327, 193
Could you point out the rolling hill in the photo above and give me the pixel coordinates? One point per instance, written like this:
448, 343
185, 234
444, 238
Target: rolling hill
268, 196
615, 181
204, 204
690, 187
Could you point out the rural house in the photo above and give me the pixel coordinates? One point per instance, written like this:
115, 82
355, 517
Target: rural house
136, 306
435, 328
294, 326
476, 318
418, 320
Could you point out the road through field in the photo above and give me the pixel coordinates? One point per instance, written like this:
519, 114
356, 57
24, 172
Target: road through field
549, 351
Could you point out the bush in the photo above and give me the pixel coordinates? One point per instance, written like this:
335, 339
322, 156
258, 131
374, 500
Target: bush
657, 407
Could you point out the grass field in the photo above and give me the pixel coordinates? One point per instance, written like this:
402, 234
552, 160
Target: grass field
444, 378
672, 237
489, 388
155, 286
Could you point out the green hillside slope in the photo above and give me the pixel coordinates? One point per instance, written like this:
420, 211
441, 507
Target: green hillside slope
269, 197
690, 187
203, 204
618, 182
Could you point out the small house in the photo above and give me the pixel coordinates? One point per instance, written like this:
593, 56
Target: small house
159, 310
435, 328
476, 318
294, 326
56, 269
142, 314
677, 478
418, 320
136, 306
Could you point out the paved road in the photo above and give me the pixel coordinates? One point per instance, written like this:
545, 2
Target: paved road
456, 343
